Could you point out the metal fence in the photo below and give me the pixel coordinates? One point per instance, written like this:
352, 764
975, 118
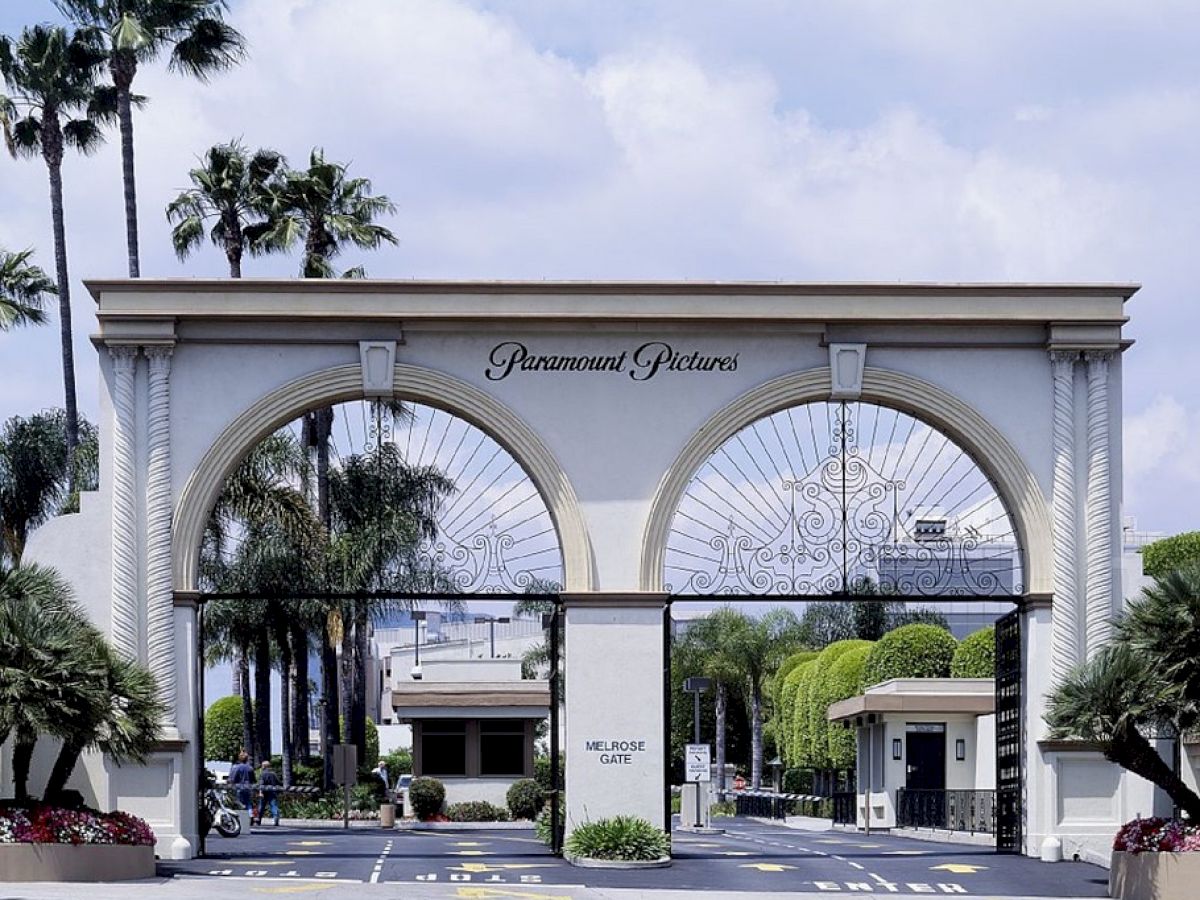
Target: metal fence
845, 810
769, 805
959, 810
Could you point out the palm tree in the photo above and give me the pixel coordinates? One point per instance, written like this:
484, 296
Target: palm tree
47, 661
326, 211
1145, 683
709, 639
755, 648
53, 104
23, 290
136, 32
230, 189
35, 475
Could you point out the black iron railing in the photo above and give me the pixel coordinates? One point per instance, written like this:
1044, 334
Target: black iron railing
972, 811
845, 808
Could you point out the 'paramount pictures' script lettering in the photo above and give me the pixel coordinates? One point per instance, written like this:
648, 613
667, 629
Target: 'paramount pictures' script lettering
641, 364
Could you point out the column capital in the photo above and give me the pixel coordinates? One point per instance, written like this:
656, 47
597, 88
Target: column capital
158, 353
1098, 357
124, 356
1064, 358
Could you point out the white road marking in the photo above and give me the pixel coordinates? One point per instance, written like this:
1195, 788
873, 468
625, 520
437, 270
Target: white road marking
387, 848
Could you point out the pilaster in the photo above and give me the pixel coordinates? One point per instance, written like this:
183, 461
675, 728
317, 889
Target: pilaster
1066, 631
160, 614
1097, 626
125, 629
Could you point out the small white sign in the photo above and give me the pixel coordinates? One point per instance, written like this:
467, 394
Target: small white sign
697, 763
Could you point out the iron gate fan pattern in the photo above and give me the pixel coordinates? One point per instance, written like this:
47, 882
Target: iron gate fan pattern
832, 498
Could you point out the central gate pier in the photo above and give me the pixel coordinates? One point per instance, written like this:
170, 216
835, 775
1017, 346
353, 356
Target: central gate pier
953, 443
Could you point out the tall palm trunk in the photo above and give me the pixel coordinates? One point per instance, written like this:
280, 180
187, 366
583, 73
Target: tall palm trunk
358, 708
347, 673
720, 709
52, 152
285, 697
262, 696
330, 726
247, 700
755, 735
300, 692
64, 765
124, 67
22, 759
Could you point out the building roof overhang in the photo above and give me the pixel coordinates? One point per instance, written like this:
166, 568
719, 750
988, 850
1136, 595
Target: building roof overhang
972, 696
520, 697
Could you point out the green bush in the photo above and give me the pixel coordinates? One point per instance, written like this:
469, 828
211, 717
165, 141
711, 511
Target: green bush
845, 675
621, 837
800, 746
541, 826
476, 811
781, 674
797, 781
976, 655
525, 798
1164, 556
541, 769
426, 796
817, 701
912, 651
399, 762
223, 729
785, 709
722, 809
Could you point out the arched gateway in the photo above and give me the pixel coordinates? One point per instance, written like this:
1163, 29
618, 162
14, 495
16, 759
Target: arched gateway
613, 398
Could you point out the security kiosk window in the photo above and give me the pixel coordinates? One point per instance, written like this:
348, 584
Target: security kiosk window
501, 747
444, 747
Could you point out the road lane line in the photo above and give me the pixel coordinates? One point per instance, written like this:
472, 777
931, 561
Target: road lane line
375, 872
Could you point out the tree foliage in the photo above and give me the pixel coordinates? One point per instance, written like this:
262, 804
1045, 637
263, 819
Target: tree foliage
975, 656
844, 682
1164, 556
911, 651
23, 290
223, 729
817, 700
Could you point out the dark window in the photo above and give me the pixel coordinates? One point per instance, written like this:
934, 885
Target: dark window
501, 747
444, 747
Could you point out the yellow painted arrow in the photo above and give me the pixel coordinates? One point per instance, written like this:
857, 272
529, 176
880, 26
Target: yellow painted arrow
735, 853
469, 844
308, 843
301, 853
957, 868
498, 867
483, 892
469, 853
766, 867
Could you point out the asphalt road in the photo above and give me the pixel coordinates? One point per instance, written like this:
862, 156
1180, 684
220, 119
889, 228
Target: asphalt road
750, 856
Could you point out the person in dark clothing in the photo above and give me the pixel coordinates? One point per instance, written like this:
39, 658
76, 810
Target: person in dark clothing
241, 778
268, 792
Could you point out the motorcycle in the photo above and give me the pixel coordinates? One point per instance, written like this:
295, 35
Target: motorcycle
215, 813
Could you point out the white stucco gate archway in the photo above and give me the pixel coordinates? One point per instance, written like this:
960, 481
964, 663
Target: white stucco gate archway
610, 396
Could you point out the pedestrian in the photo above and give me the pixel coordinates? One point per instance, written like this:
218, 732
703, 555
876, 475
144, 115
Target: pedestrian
241, 778
381, 772
268, 792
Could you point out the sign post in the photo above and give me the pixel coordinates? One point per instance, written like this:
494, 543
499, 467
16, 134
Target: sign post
696, 751
345, 773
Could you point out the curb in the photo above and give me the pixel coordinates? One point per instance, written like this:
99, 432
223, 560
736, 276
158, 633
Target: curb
464, 826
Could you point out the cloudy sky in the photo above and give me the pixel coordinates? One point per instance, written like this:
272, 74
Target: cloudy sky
704, 139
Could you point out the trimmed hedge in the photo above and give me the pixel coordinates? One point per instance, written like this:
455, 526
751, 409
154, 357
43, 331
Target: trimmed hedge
223, 729
785, 710
843, 682
976, 655
476, 811
1164, 556
799, 745
817, 701
913, 651
525, 799
781, 675
427, 796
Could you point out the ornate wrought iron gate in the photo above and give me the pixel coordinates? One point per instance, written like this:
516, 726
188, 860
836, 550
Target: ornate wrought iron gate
1009, 764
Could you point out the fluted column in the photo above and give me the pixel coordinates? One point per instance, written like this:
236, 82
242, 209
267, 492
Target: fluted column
1097, 626
1064, 653
125, 633
160, 613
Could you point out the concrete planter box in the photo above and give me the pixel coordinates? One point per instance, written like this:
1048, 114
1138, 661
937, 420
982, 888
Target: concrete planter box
71, 862
586, 862
1154, 876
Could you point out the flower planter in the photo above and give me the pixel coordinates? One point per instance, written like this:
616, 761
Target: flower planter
71, 862
1154, 876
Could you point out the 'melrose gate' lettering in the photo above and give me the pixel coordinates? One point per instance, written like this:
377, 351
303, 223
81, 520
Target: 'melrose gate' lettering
615, 753
641, 364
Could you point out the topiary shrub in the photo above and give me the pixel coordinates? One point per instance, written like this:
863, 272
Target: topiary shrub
786, 706
801, 746
541, 769
1164, 556
626, 838
223, 729
525, 799
913, 651
976, 655
817, 702
426, 796
476, 811
845, 675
